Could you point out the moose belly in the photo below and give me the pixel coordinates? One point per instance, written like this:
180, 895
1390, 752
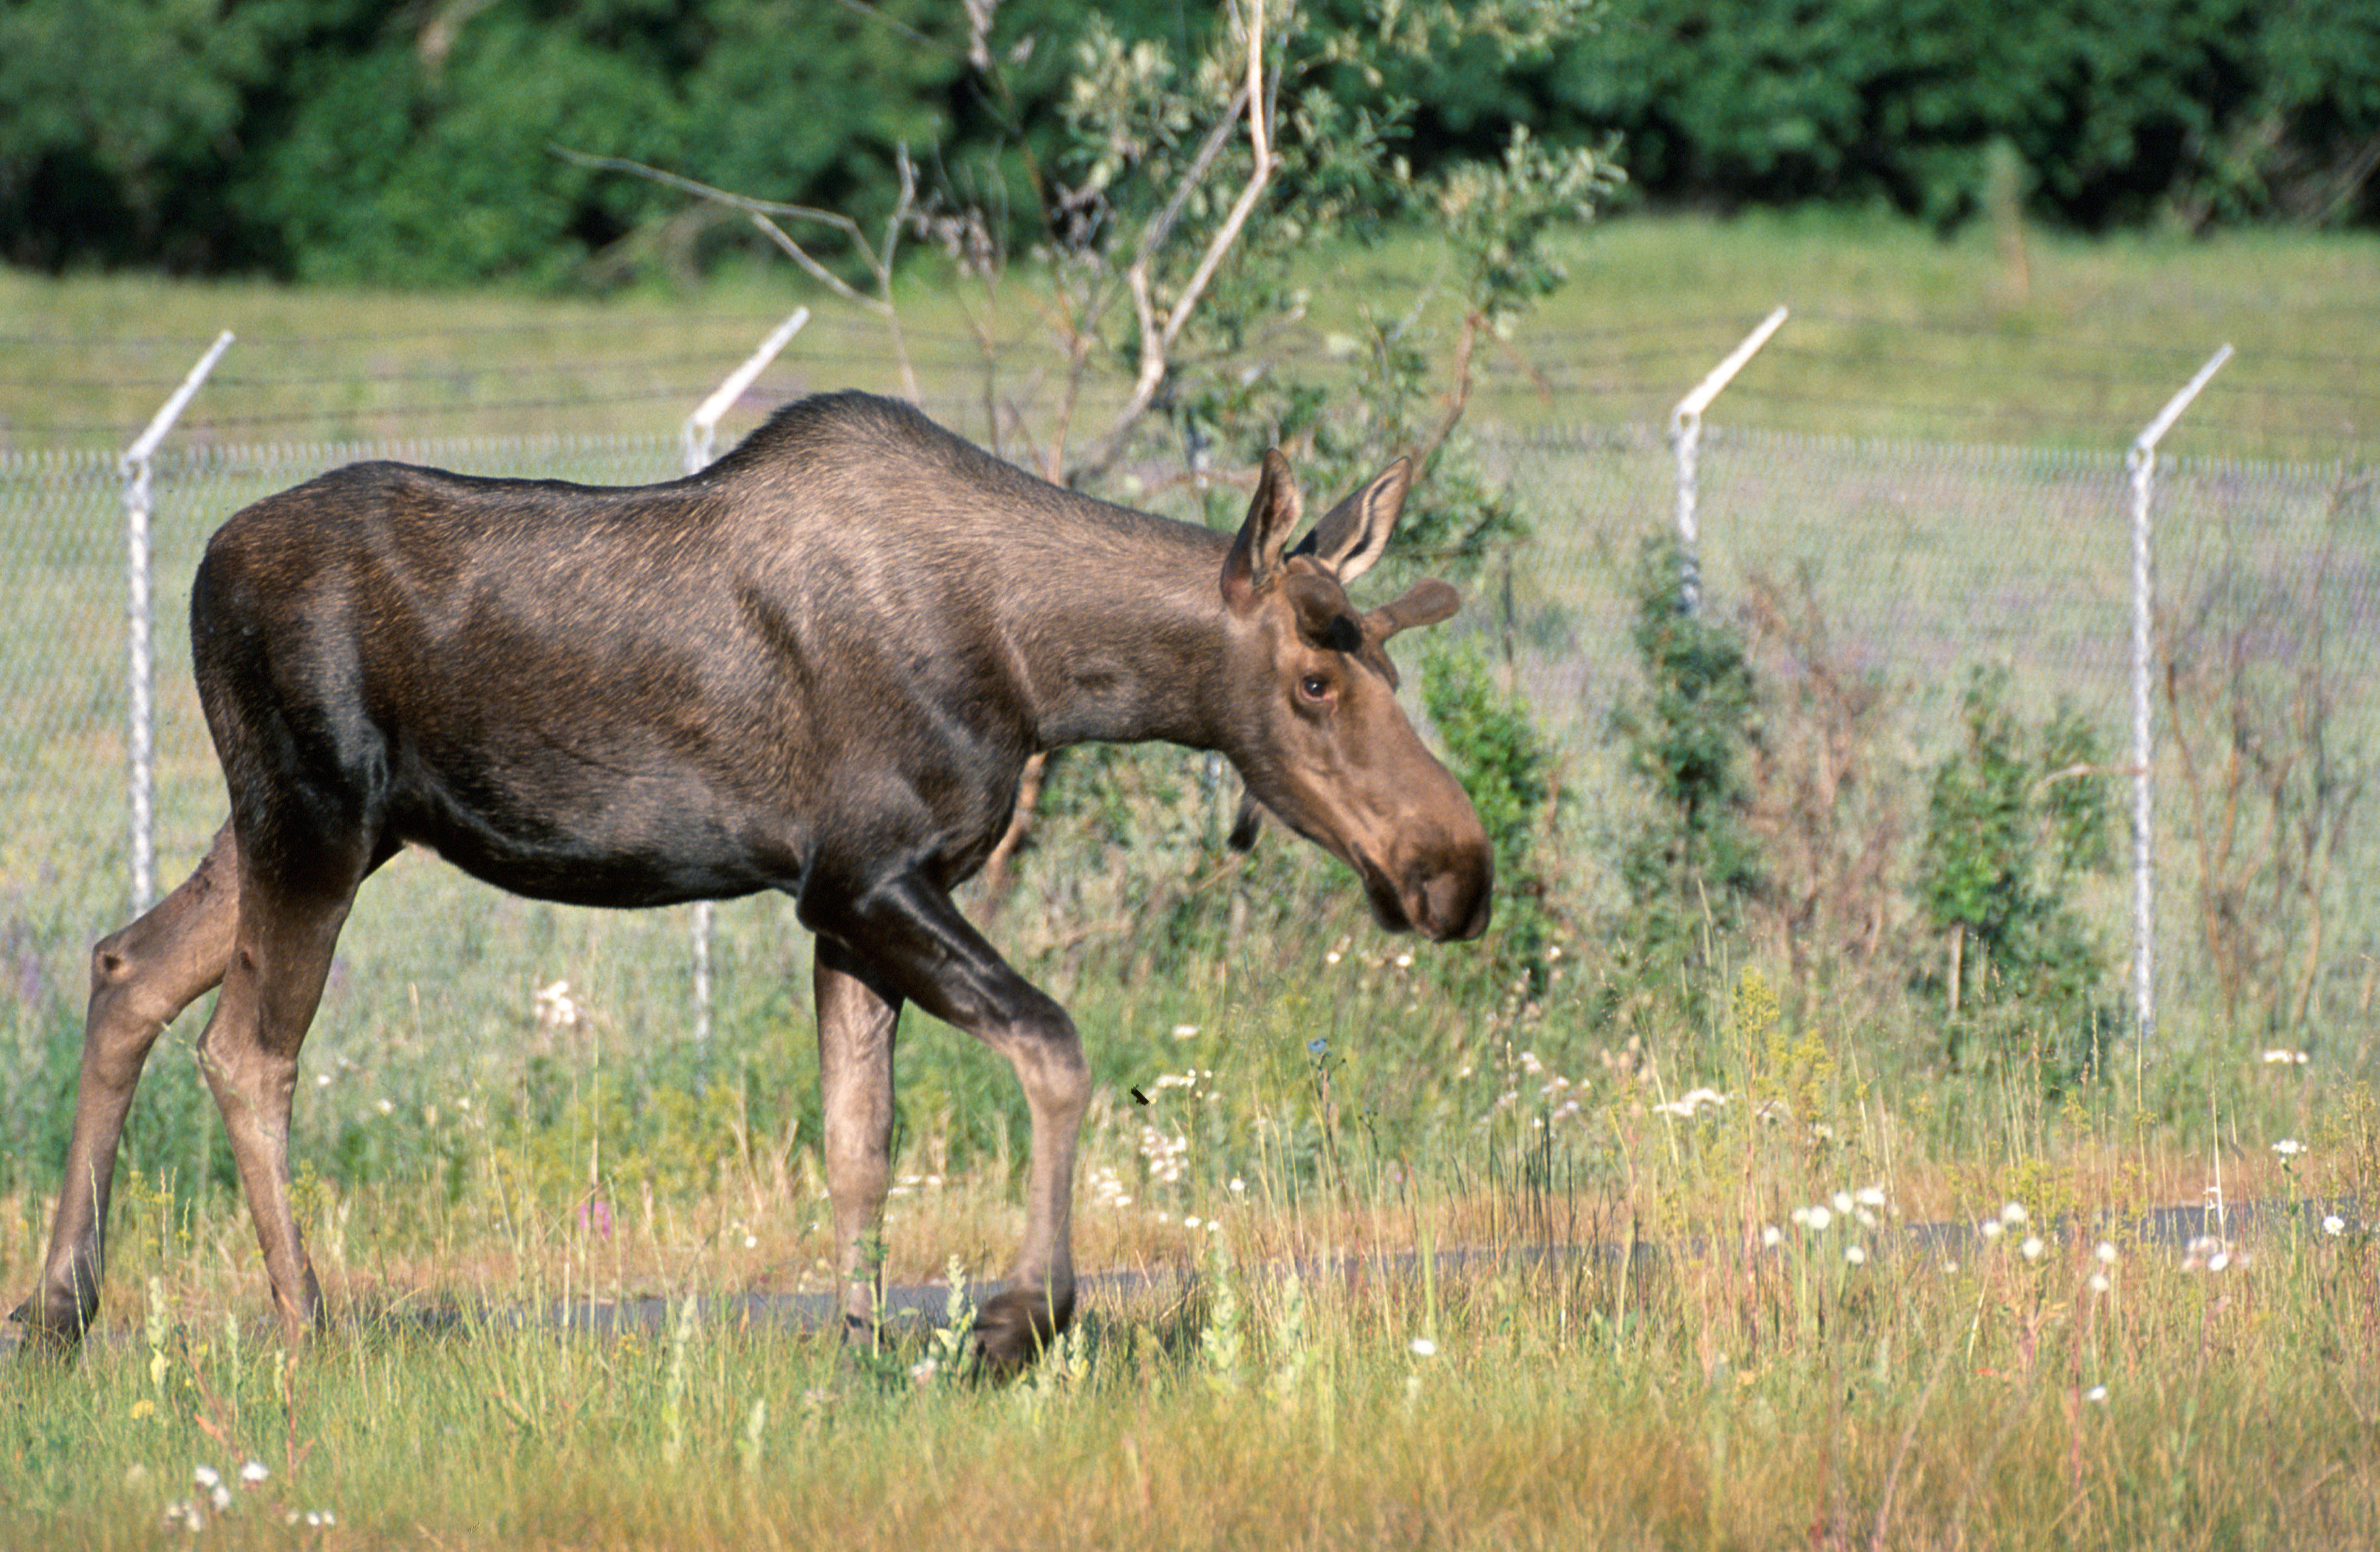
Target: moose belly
625, 843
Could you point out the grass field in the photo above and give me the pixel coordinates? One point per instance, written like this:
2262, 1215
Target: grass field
1934, 432
1897, 333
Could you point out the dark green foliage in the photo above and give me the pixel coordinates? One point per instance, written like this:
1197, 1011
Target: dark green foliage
1692, 863
410, 145
2123, 110
2014, 819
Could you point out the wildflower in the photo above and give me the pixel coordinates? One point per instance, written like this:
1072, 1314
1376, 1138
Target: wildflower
212, 1480
182, 1512
1238, 1185
2014, 1213
1843, 1200
2099, 1283
1694, 1102
1856, 1255
142, 1408
2285, 1059
554, 1007
1185, 1031
2096, 1393
254, 1472
2105, 1252
2207, 1253
1991, 1229
1820, 1218
1867, 1219
2333, 1224
1871, 1197
1422, 1347
1771, 1236
1318, 1047
2288, 1148
1404, 960
2032, 1248
1191, 1222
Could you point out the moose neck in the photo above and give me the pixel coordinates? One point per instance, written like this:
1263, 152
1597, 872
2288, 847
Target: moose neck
1133, 644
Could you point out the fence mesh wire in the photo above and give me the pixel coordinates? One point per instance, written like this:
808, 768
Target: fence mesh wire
1928, 559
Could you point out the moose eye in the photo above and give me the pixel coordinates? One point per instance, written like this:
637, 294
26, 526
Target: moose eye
1314, 687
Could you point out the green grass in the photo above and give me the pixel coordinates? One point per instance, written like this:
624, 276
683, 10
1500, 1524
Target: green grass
1735, 1395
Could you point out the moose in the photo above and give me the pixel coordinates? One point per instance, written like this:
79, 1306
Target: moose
820, 666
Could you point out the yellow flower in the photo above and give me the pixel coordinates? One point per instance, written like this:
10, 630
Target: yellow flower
142, 1408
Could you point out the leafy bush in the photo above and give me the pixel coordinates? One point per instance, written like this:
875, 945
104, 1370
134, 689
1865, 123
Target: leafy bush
1692, 863
1495, 750
2014, 819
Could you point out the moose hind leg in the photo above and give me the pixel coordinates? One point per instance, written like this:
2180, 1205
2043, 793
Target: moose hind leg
248, 1052
856, 1027
140, 978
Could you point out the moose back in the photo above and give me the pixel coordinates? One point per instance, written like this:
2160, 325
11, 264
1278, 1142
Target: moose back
820, 666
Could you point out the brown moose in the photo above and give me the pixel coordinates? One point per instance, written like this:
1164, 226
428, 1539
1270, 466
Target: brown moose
819, 666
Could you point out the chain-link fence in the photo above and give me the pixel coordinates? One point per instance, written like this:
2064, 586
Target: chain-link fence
1926, 559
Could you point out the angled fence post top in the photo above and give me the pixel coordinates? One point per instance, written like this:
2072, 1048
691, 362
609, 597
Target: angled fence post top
145, 446
1690, 408
2144, 446
702, 426
1685, 436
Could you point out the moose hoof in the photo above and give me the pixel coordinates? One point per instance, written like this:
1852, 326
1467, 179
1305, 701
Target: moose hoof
32, 1333
1015, 1325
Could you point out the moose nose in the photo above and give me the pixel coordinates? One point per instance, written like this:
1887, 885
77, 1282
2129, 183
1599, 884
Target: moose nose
1456, 899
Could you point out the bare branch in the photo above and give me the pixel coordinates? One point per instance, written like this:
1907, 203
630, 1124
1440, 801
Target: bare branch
815, 269
737, 201
1157, 336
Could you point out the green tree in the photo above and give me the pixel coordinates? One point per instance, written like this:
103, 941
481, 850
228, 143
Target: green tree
113, 115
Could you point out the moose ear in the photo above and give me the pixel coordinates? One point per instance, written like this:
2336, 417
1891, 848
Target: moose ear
1354, 533
1273, 517
1424, 604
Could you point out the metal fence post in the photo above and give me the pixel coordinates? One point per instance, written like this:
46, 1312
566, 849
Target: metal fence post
1686, 436
701, 428
141, 718
2141, 462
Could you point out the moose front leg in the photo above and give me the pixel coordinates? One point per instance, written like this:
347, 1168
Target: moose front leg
856, 1027
140, 977
907, 938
